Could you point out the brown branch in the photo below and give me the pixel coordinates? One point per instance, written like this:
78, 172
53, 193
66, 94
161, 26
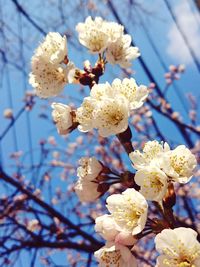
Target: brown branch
48, 208
178, 122
46, 244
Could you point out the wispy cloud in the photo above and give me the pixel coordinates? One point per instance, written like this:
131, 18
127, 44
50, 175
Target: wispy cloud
189, 21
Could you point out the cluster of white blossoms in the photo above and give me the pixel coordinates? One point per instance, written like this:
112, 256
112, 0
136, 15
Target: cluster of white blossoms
108, 106
50, 73
99, 36
87, 186
158, 165
128, 215
107, 109
178, 248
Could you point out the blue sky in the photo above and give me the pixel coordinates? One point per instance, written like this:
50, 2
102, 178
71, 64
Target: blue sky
154, 17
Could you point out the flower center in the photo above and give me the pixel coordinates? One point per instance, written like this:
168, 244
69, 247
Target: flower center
96, 40
128, 214
85, 167
178, 163
156, 183
115, 118
50, 74
152, 150
153, 181
186, 256
118, 52
57, 116
111, 115
111, 258
185, 264
177, 263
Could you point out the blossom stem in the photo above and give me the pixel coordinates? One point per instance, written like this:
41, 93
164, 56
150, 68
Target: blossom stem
115, 173
144, 233
168, 213
125, 140
127, 179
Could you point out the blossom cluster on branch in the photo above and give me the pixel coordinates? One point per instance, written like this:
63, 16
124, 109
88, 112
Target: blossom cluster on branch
158, 166
100, 36
107, 108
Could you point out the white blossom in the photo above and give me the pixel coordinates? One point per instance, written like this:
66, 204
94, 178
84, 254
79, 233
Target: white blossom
89, 169
62, 117
115, 255
87, 186
92, 35
53, 49
179, 164
129, 211
111, 116
121, 52
49, 75
101, 91
87, 191
152, 154
46, 79
113, 30
136, 95
84, 115
153, 183
178, 248
106, 227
